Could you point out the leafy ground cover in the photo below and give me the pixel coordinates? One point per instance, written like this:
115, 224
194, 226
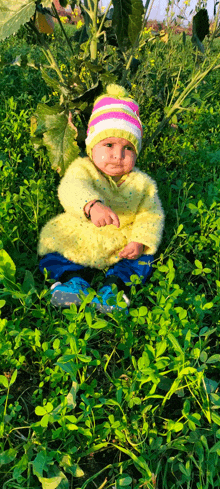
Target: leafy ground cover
107, 401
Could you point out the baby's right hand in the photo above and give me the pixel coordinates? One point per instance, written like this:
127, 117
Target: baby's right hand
101, 215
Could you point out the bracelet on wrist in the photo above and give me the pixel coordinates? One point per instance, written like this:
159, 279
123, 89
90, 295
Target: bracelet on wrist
88, 215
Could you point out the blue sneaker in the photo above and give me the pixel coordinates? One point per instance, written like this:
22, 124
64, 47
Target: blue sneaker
106, 293
68, 293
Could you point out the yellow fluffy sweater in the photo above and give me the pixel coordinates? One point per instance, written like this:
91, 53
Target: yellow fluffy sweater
133, 198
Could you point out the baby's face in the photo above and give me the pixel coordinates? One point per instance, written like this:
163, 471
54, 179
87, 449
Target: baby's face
114, 156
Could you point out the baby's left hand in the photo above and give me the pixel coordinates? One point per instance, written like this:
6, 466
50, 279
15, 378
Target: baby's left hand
132, 251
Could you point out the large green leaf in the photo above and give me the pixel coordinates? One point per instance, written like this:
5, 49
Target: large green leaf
42, 113
58, 136
127, 21
53, 83
200, 28
15, 13
59, 140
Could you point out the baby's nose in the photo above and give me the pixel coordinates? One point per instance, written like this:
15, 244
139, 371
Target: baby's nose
118, 154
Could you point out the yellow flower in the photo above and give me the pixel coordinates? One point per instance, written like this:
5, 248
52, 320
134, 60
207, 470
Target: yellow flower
75, 12
147, 31
79, 24
82, 73
64, 20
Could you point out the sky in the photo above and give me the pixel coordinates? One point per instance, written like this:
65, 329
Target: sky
158, 11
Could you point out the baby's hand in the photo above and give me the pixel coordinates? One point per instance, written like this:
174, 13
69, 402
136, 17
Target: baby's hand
132, 251
101, 215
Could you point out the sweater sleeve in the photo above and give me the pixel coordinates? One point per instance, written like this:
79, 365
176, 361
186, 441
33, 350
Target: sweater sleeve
76, 189
148, 224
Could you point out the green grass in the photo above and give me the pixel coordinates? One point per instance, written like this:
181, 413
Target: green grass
93, 400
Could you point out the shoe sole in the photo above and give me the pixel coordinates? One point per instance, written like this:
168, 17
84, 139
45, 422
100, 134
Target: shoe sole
64, 299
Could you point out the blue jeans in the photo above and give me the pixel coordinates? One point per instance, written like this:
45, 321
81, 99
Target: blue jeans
119, 273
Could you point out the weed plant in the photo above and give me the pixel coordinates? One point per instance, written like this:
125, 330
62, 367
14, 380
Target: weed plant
113, 401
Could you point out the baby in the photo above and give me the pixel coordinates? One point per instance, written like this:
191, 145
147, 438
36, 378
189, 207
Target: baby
104, 189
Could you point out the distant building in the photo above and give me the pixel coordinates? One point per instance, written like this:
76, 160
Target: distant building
159, 26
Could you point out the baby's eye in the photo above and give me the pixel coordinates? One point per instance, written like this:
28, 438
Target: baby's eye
129, 147
108, 145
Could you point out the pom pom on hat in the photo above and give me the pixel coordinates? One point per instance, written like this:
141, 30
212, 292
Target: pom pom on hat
116, 91
115, 114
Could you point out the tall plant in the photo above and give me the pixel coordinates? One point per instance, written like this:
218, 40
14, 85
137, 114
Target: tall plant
62, 128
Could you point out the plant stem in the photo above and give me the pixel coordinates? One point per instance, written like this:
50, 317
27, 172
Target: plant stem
136, 43
103, 19
83, 7
94, 40
46, 50
95, 11
62, 28
90, 8
177, 105
53, 64
94, 476
215, 27
176, 85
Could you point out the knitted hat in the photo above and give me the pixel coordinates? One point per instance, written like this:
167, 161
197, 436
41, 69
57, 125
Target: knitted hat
114, 115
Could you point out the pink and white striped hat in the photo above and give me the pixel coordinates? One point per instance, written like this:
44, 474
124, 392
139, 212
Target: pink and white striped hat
114, 115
